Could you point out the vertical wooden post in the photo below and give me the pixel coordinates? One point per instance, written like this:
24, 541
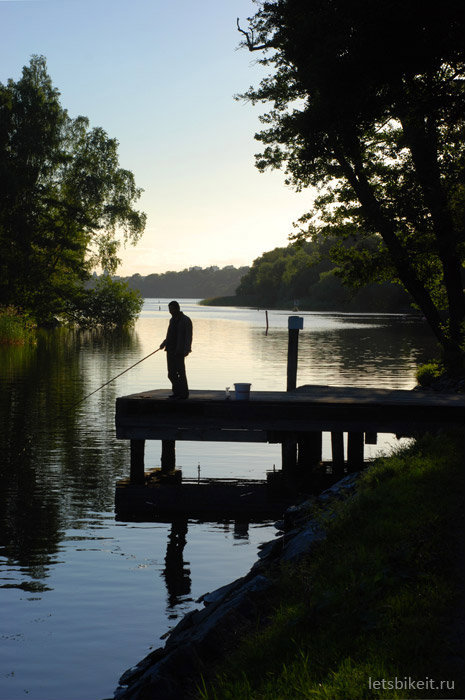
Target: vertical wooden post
289, 447
337, 450
310, 450
354, 452
294, 324
292, 355
168, 456
289, 456
137, 473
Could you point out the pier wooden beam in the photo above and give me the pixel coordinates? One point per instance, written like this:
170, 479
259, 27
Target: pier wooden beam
337, 450
355, 451
137, 473
168, 456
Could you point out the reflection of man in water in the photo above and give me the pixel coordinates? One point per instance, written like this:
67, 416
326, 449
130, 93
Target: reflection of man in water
178, 343
177, 575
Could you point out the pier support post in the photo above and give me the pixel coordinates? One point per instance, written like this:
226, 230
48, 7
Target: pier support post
309, 451
168, 456
289, 457
137, 473
354, 452
337, 451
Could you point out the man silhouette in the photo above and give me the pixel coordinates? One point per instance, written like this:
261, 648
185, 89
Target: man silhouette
177, 344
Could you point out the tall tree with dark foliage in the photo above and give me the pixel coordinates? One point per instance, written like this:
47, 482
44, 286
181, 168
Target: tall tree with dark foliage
65, 202
368, 106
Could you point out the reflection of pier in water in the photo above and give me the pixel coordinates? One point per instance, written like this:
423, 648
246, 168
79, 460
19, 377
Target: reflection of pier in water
296, 419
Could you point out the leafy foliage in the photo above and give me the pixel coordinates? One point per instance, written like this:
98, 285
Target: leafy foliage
426, 374
193, 282
110, 303
368, 106
65, 201
304, 274
15, 328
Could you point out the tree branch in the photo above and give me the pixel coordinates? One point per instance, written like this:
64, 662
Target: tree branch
358, 180
250, 39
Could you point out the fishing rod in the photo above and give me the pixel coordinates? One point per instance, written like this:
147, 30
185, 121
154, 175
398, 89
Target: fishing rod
113, 379
70, 408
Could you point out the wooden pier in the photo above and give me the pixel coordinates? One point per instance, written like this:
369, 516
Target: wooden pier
296, 419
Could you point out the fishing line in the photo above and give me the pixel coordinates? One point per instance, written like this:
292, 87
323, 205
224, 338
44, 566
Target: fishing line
113, 379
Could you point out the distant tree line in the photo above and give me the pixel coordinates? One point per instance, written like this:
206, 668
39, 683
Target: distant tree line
303, 275
193, 282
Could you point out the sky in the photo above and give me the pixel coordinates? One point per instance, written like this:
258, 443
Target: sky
160, 77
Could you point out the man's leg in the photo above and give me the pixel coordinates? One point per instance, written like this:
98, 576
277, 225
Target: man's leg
182, 390
172, 370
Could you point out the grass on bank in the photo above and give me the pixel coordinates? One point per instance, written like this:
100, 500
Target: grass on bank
375, 600
16, 328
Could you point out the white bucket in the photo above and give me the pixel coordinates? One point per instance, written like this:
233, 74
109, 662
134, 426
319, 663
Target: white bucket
242, 391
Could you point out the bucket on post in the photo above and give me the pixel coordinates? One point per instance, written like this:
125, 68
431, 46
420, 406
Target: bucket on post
242, 392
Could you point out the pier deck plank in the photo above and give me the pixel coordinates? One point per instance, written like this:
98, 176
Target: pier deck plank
208, 415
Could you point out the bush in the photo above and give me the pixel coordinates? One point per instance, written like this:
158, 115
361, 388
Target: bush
426, 374
110, 304
16, 328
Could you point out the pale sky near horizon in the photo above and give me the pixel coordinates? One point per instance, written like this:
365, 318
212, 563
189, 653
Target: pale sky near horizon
161, 78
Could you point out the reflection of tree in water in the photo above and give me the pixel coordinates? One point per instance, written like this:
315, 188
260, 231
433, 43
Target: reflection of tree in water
176, 573
57, 460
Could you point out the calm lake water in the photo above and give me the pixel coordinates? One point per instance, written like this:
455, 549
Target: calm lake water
83, 597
